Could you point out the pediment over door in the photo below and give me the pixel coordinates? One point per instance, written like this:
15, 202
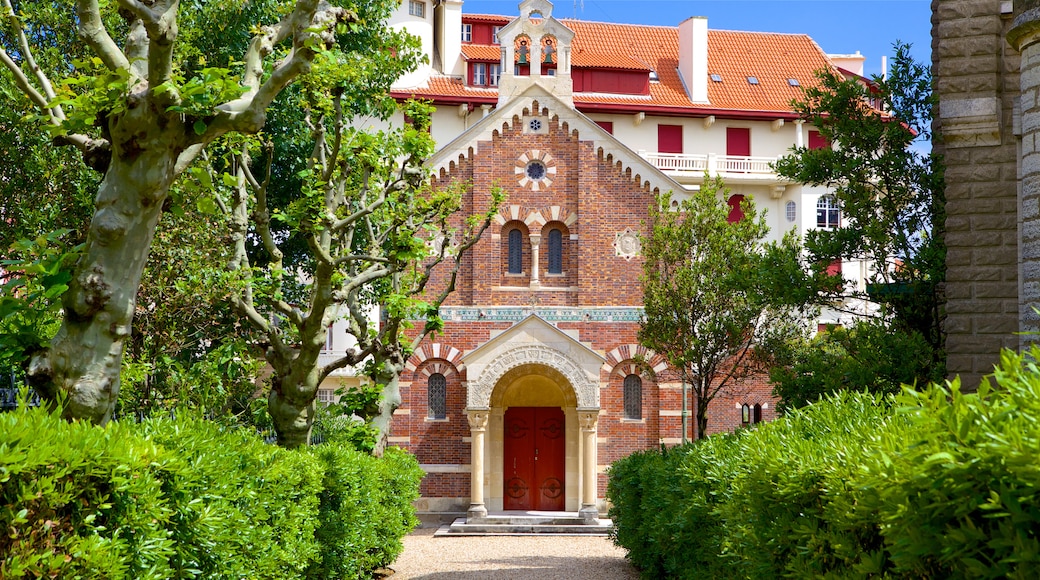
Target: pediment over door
533, 341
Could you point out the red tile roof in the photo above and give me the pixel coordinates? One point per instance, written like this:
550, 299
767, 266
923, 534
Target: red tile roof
772, 58
482, 52
492, 18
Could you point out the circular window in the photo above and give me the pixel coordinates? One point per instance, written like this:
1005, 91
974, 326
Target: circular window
535, 170
535, 124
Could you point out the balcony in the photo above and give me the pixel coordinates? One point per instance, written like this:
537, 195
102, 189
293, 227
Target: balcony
688, 168
328, 356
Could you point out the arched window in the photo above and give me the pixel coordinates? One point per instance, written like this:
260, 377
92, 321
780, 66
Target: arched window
633, 397
516, 251
828, 215
758, 413
745, 414
555, 251
437, 397
792, 211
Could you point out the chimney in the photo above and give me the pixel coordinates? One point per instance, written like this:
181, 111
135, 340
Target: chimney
693, 57
449, 37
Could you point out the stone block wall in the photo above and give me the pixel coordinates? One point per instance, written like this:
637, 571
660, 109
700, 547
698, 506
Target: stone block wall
977, 80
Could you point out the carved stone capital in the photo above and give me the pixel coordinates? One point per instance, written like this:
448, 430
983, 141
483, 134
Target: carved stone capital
478, 420
588, 420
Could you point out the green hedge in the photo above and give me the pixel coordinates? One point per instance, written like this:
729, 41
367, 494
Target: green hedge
932, 484
188, 498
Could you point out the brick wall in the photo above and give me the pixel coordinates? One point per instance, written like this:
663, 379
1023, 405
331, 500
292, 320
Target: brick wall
592, 199
976, 71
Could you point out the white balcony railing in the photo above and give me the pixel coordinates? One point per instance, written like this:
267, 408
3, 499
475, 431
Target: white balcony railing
726, 165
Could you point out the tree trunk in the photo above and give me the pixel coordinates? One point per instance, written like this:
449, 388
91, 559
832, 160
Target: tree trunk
389, 403
292, 403
84, 359
702, 417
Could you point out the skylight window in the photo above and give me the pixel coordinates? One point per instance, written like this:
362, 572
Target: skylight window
716, 78
752, 80
793, 82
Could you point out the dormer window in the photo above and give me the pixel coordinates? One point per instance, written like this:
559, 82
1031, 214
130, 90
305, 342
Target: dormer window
494, 35
653, 77
417, 8
467, 33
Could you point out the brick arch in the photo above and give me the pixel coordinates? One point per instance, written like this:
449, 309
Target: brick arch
451, 356
551, 213
626, 353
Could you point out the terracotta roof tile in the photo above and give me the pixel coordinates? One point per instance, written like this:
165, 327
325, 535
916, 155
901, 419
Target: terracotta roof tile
492, 18
482, 52
772, 58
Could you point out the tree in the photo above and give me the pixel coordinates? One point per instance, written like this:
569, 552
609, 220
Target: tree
712, 290
140, 120
375, 231
891, 193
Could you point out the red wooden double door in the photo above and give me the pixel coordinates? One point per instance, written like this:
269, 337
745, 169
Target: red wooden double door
534, 459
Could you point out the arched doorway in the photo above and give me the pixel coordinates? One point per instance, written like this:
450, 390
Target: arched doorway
530, 449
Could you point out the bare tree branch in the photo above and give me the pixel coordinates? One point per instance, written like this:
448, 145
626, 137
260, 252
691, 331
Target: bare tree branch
92, 31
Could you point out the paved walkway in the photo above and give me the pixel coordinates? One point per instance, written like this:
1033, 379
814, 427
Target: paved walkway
509, 557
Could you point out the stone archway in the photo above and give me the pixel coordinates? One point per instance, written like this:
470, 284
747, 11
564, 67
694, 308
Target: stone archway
533, 377
533, 364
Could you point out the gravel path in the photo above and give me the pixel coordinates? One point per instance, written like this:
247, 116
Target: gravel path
508, 557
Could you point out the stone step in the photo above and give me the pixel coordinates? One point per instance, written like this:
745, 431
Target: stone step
525, 526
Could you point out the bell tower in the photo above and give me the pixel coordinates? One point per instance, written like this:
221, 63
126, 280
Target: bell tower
536, 49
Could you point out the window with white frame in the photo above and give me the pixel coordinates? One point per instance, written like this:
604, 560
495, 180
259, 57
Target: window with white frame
479, 74
416, 8
494, 34
326, 396
828, 214
792, 211
494, 73
467, 33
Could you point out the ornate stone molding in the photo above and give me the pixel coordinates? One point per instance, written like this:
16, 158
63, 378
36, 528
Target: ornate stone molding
586, 389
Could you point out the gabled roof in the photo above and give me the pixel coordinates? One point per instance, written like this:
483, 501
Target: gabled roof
772, 58
647, 174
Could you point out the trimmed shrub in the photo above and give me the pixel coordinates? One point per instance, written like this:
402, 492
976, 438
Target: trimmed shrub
927, 484
366, 508
187, 498
81, 502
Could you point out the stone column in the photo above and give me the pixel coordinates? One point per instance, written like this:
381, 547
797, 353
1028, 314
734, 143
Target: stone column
798, 139
1024, 36
478, 422
590, 479
536, 240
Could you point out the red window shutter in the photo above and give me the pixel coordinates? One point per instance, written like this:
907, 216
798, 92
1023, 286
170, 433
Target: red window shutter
669, 138
817, 141
738, 141
607, 126
735, 213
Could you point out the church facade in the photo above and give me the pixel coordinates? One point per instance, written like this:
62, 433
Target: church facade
537, 382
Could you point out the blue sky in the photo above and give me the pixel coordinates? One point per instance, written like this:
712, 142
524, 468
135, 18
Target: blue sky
838, 26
